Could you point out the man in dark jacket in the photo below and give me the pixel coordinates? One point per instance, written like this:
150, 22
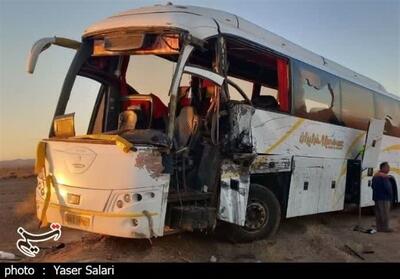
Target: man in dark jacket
383, 197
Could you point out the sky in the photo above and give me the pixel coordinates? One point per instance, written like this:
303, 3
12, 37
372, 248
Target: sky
363, 35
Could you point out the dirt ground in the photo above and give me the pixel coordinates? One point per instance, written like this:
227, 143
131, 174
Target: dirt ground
318, 238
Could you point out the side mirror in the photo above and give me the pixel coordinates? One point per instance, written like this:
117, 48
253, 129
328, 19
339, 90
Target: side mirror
44, 44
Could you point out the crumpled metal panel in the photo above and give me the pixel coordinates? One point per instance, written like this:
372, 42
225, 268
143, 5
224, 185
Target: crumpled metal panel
234, 192
240, 136
146, 136
271, 164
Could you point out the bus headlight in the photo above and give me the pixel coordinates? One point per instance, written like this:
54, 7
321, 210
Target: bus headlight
128, 199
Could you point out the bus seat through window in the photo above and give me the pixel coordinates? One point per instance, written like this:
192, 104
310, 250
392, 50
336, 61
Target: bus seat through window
127, 119
266, 102
143, 105
186, 123
151, 111
160, 113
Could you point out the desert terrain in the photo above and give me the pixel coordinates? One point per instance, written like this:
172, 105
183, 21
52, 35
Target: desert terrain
318, 238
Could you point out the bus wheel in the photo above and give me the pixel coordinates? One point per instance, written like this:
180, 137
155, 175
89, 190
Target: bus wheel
263, 216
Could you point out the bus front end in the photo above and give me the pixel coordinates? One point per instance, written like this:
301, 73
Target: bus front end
100, 188
106, 163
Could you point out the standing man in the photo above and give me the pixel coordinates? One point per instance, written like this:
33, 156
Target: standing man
383, 197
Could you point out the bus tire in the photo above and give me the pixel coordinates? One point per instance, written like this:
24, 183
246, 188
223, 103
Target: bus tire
263, 216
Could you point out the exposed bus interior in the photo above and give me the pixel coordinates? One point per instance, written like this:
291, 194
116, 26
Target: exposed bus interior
128, 101
134, 104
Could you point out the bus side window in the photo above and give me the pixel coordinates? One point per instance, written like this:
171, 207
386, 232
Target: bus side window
389, 110
82, 100
245, 85
265, 97
97, 120
357, 105
316, 94
266, 76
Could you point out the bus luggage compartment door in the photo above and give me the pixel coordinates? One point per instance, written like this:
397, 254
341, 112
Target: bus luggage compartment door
316, 186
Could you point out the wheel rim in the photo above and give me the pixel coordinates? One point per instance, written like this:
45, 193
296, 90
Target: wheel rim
257, 216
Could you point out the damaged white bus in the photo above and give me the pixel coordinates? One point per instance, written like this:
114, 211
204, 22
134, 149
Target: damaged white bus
196, 117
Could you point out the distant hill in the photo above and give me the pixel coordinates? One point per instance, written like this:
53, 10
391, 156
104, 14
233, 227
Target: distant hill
19, 168
17, 163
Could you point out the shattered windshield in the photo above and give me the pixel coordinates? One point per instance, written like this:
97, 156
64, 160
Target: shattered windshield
123, 86
133, 85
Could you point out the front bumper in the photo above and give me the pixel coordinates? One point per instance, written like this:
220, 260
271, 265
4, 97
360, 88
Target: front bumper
138, 219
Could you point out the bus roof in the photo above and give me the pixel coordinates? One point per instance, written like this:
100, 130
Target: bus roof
201, 23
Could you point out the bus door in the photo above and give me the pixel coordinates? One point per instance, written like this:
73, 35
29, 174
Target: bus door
373, 143
370, 158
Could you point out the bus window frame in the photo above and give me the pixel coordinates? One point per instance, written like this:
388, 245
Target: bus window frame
334, 105
363, 89
263, 50
384, 99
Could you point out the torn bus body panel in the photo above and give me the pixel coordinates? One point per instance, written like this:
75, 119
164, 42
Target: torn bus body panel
234, 191
240, 136
146, 136
271, 164
151, 160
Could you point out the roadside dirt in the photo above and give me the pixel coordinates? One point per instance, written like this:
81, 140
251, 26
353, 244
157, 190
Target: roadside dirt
318, 238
